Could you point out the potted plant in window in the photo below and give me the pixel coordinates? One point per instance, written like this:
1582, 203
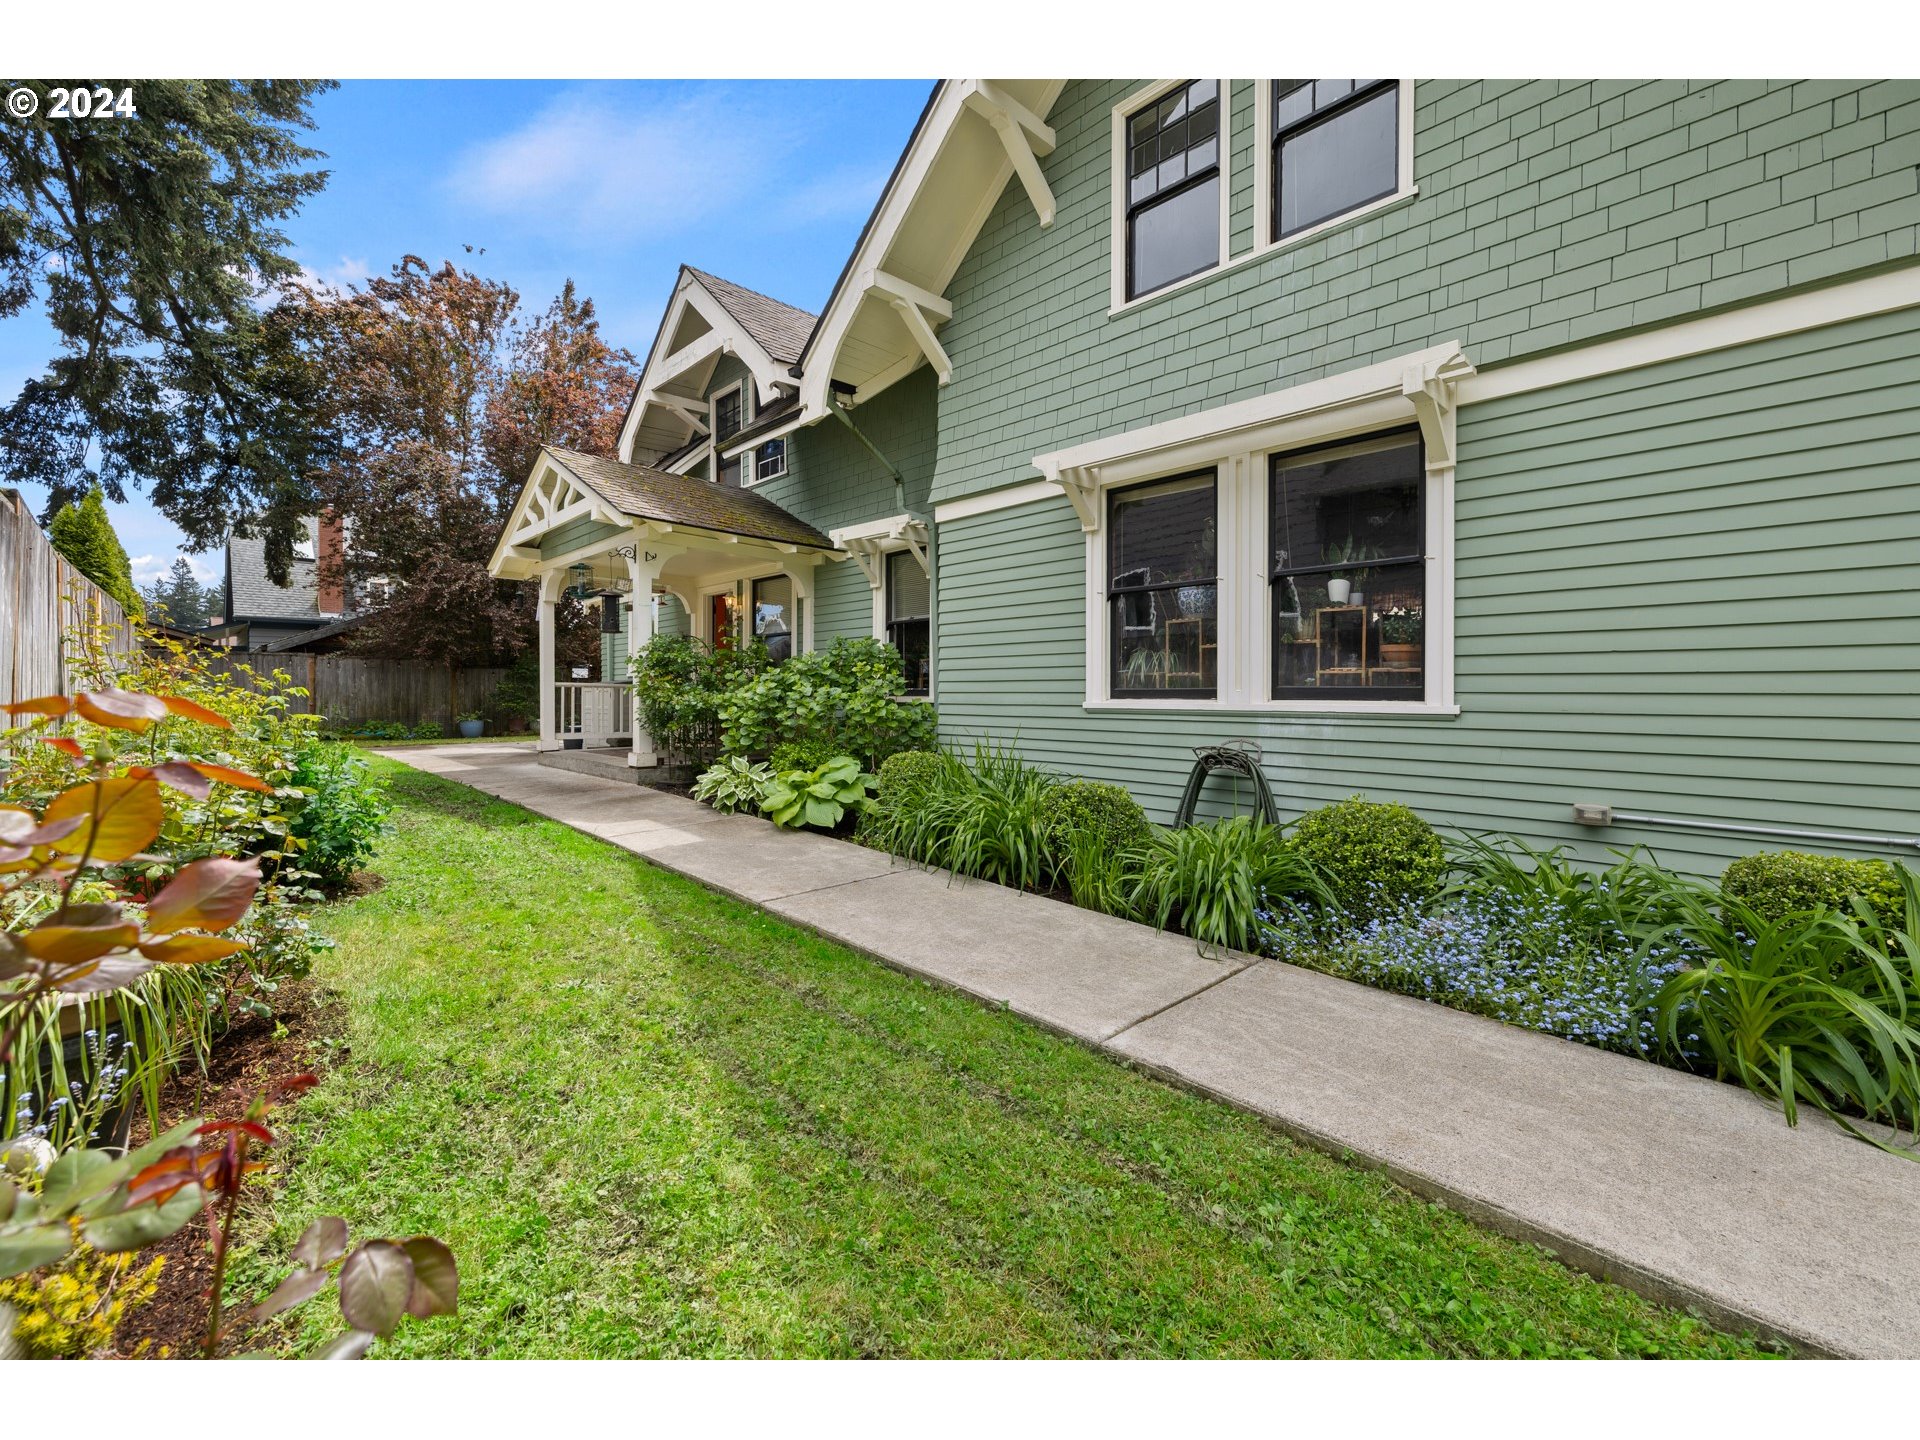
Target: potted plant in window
1402, 629
1347, 553
471, 724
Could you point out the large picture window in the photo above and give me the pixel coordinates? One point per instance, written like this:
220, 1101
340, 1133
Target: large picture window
1163, 588
774, 616
1173, 187
1336, 147
909, 618
1347, 571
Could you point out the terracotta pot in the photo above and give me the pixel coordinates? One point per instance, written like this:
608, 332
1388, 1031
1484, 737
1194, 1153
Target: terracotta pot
1399, 655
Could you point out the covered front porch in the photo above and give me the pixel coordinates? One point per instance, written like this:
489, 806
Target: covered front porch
642, 541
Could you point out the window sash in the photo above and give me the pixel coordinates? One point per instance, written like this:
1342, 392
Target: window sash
1119, 594
1165, 195
1313, 120
897, 631
765, 455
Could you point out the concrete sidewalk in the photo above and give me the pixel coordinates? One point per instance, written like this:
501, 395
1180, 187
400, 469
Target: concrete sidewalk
1693, 1192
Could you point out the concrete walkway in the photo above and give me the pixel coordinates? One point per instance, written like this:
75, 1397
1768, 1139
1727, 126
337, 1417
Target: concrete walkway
1692, 1192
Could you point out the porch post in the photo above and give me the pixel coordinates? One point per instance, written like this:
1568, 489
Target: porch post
800, 572
550, 586
644, 564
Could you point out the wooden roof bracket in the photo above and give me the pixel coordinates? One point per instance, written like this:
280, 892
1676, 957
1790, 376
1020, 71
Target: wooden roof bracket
1025, 137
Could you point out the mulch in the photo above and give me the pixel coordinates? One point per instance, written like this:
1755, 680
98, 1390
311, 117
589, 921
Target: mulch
245, 1060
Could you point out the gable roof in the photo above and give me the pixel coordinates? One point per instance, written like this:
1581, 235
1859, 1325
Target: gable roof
781, 329
644, 493
252, 596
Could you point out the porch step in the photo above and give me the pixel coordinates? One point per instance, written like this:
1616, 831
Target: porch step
608, 764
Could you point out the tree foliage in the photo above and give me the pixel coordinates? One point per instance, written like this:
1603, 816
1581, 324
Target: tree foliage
179, 599
440, 394
155, 244
85, 535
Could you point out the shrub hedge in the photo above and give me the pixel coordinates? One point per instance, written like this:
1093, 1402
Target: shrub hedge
1108, 813
1374, 858
1775, 884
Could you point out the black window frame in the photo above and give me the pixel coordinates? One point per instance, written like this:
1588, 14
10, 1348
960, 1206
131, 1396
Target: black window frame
737, 393
1313, 120
792, 615
1114, 590
897, 623
760, 472
1133, 210
1276, 574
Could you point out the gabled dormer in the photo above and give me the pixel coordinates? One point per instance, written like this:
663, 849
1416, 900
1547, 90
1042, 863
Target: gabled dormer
719, 364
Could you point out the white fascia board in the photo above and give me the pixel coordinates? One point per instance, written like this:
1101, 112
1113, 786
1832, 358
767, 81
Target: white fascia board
883, 529
797, 421
1238, 423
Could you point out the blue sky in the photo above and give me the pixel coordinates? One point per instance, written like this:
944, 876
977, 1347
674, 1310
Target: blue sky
610, 183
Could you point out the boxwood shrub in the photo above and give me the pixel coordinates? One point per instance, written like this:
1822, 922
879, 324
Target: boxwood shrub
1109, 813
1778, 883
1375, 858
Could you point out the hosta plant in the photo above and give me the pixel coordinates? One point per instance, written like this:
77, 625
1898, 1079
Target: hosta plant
818, 798
734, 784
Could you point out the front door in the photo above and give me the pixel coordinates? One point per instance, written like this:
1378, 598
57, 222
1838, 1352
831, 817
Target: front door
720, 621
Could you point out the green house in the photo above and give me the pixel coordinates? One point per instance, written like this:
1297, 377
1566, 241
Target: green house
1543, 454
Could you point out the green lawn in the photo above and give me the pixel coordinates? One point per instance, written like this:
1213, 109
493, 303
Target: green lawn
651, 1121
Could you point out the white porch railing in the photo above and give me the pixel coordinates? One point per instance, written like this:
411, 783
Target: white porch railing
595, 713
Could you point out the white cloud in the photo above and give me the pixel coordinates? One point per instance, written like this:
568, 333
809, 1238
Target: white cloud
148, 568
341, 276
595, 169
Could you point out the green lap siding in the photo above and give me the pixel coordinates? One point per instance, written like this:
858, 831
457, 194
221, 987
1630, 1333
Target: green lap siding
1549, 214
1690, 590
842, 604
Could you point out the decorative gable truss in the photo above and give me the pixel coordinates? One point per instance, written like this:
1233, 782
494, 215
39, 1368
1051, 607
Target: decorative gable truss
553, 498
1024, 136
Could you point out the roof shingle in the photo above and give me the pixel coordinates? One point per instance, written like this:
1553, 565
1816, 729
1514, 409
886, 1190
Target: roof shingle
781, 329
649, 494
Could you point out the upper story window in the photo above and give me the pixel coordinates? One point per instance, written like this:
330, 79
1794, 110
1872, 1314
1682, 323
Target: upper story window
1162, 587
1336, 147
909, 618
1173, 187
1348, 572
770, 460
729, 414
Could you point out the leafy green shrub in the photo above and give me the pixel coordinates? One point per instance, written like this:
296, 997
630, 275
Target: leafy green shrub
820, 797
1215, 881
1096, 875
843, 698
516, 699
1813, 1008
800, 755
344, 813
1375, 858
903, 779
1088, 807
1781, 883
983, 819
733, 785
680, 683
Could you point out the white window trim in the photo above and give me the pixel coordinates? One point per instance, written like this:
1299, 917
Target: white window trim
869, 544
751, 461
713, 430
1264, 242
1237, 439
1117, 164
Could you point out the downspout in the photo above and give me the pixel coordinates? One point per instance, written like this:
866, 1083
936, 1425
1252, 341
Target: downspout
923, 516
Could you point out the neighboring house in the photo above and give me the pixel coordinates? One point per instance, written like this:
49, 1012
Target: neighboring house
264, 616
1500, 447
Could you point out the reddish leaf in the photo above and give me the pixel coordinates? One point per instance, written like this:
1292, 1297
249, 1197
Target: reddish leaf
296, 1289
115, 972
322, 1242
166, 1176
16, 822
54, 705
226, 775
436, 1278
178, 775
84, 932
374, 1286
190, 711
119, 709
64, 745
206, 895
191, 949
350, 1346
237, 1127
119, 817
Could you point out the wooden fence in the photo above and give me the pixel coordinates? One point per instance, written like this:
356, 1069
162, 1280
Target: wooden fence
42, 598
350, 690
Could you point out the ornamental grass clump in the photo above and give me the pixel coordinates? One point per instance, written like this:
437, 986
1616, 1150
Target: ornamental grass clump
1214, 881
984, 817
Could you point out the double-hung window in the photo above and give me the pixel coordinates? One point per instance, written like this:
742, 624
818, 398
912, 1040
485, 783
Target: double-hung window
1162, 589
729, 414
909, 612
1173, 187
770, 460
1347, 573
1335, 147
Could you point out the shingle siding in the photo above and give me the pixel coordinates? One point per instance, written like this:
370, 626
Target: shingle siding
1549, 214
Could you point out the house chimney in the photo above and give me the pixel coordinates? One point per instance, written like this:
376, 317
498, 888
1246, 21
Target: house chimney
331, 571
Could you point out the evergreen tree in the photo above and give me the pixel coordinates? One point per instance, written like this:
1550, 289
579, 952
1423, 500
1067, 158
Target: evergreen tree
84, 534
179, 599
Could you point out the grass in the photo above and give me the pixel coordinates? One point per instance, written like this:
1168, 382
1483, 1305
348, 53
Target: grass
654, 1122
369, 743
